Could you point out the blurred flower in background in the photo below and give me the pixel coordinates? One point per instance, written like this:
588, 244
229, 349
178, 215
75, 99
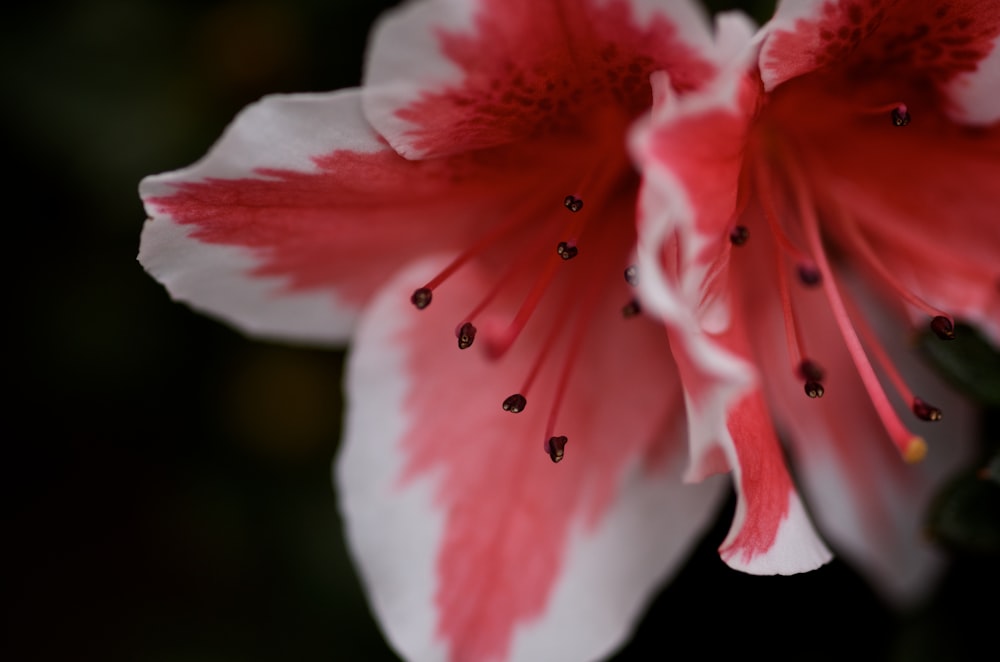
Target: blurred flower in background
170, 494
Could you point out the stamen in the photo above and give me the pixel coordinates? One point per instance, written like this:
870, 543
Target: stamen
926, 411
632, 275
573, 203
739, 235
865, 250
897, 110
911, 447
567, 250
920, 408
511, 223
813, 376
793, 334
943, 328
497, 345
466, 335
555, 447
631, 309
764, 187
421, 298
515, 404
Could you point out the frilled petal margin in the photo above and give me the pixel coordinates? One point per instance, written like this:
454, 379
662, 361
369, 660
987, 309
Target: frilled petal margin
691, 155
472, 544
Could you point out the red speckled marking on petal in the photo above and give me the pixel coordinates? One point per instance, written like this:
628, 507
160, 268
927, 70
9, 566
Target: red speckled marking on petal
873, 39
543, 67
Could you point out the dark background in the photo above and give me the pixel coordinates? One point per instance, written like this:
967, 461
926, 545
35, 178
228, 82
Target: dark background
168, 481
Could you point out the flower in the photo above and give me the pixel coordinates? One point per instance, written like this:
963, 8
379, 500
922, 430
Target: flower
476, 194
834, 188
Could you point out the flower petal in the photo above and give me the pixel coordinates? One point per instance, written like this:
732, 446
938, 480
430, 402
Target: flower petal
301, 212
771, 532
950, 44
473, 545
866, 500
216, 228
446, 76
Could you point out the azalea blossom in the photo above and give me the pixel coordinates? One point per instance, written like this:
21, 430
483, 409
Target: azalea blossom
833, 193
510, 469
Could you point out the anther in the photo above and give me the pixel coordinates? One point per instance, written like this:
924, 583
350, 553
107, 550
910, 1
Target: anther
943, 328
555, 447
421, 298
515, 404
631, 309
632, 275
814, 389
566, 250
809, 275
466, 335
573, 203
900, 115
926, 411
810, 371
739, 235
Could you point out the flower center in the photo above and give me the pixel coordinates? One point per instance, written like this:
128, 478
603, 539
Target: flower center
795, 221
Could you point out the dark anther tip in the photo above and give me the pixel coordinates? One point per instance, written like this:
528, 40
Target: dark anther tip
466, 335
573, 203
739, 235
566, 251
421, 298
943, 328
555, 447
814, 389
515, 404
809, 275
900, 116
631, 309
925, 411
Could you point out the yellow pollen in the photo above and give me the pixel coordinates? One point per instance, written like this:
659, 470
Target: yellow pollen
915, 451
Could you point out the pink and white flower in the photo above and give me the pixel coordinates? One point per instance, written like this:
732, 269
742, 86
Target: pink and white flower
475, 194
833, 190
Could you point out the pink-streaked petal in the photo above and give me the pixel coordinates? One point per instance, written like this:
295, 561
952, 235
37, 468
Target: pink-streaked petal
866, 500
771, 532
218, 281
446, 76
202, 243
301, 212
472, 543
946, 44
